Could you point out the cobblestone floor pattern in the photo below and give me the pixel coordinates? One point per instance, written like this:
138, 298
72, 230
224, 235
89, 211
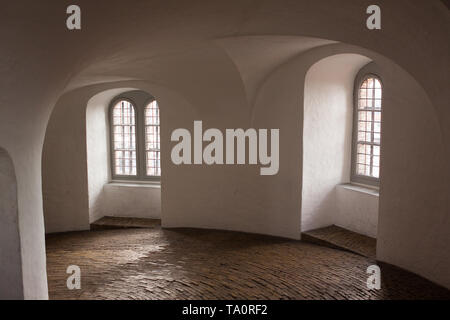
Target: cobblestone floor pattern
201, 264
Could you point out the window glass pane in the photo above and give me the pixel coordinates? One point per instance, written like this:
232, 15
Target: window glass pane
361, 148
362, 104
124, 138
153, 163
377, 116
361, 169
377, 93
152, 139
369, 128
376, 161
362, 115
377, 84
376, 172
376, 150
362, 93
377, 127
376, 138
152, 114
361, 158
361, 126
361, 136
378, 104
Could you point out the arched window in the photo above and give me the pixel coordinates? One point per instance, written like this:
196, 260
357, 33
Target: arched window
367, 135
124, 139
152, 140
135, 137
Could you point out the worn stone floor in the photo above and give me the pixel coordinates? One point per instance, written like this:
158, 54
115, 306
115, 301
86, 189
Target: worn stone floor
157, 263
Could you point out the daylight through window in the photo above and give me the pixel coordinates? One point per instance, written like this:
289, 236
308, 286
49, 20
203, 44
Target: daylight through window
368, 141
135, 137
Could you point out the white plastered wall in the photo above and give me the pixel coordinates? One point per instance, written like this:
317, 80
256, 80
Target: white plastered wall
357, 209
131, 200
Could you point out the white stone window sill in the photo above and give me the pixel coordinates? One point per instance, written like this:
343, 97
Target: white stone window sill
361, 188
135, 184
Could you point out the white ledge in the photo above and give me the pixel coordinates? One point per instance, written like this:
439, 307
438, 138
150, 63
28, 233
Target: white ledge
361, 189
134, 184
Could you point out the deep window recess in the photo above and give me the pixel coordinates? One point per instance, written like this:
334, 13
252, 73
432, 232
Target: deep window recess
367, 135
135, 139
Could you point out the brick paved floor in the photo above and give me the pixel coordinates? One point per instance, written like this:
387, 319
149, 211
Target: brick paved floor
337, 237
120, 222
200, 264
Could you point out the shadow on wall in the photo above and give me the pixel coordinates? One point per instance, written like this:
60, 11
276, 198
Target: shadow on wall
10, 256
